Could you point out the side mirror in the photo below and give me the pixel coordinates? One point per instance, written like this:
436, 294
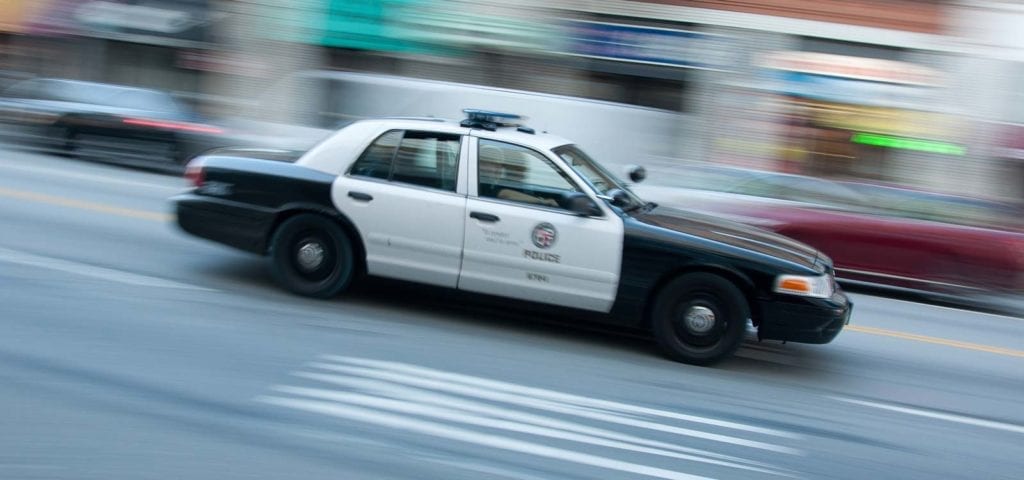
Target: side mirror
580, 204
619, 198
636, 173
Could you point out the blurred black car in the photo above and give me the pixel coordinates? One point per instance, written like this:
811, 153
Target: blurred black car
105, 122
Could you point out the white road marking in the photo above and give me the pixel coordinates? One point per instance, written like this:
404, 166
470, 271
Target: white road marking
92, 178
86, 270
518, 418
494, 385
978, 422
391, 390
522, 398
400, 422
456, 416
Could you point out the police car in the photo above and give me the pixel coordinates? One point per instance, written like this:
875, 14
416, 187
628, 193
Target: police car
490, 206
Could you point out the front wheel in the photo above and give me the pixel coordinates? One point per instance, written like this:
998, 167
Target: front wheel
311, 255
699, 318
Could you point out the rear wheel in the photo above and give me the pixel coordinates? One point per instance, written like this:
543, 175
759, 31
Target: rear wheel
311, 255
699, 318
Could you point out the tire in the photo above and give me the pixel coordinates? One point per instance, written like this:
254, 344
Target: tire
718, 323
62, 141
295, 248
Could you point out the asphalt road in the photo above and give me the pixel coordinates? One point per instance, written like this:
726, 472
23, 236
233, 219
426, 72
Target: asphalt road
128, 350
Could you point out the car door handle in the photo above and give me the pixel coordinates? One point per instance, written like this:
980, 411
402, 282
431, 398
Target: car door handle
484, 217
363, 197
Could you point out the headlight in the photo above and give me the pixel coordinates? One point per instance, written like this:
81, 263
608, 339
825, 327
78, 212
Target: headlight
806, 286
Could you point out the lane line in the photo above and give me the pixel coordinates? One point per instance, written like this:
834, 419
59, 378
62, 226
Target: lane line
423, 427
937, 341
453, 416
90, 177
85, 205
86, 270
937, 415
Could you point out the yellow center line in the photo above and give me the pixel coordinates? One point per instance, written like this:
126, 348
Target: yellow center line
85, 205
937, 341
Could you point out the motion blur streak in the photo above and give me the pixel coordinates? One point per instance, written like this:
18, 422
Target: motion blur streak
937, 341
109, 274
938, 415
441, 430
583, 402
84, 205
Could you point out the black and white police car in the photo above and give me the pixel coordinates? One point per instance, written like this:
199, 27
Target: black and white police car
489, 206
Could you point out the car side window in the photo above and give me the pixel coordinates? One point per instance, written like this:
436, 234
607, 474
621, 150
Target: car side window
426, 159
510, 172
375, 162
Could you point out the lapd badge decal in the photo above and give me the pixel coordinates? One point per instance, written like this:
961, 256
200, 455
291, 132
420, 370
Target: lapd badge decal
544, 235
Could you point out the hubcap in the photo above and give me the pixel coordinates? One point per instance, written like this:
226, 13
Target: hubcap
310, 256
699, 320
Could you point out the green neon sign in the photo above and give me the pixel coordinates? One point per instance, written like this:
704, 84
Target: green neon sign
904, 143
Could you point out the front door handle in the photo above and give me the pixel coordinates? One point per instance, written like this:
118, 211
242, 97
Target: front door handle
484, 217
363, 197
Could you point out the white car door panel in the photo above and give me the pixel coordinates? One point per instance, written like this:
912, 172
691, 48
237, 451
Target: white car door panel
407, 196
410, 233
578, 267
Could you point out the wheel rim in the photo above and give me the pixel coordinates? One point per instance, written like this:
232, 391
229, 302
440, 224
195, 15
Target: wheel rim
310, 256
313, 257
699, 319
699, 322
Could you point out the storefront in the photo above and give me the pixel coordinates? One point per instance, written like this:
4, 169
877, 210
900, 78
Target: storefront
119, 41
855, 117
641, 64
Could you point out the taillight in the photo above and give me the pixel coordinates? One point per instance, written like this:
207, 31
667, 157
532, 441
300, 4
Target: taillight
170, 125
195, 174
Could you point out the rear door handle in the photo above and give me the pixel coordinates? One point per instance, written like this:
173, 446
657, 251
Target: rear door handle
364, 197
484, 217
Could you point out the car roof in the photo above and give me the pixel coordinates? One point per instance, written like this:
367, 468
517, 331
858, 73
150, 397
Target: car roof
537, 140
111, 87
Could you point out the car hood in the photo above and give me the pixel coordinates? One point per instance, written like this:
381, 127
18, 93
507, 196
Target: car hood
734, 234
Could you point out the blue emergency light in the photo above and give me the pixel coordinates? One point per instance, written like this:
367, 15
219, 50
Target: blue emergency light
490, 120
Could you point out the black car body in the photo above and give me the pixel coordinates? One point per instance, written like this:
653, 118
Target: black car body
106, 122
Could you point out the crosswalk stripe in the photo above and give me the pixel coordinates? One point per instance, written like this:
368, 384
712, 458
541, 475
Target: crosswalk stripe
495, 385
605, 414
400, 422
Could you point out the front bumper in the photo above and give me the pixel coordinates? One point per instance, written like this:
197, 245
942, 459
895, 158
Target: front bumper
804, 320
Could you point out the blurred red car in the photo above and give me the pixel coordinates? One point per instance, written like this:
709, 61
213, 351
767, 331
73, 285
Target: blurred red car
875, 234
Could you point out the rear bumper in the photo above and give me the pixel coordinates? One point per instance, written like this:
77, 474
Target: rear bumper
804, 320
238, 225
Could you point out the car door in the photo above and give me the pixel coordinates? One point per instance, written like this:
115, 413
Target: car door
520, 242
406, 195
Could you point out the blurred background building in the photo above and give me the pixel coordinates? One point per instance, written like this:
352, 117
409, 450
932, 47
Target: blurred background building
920, 92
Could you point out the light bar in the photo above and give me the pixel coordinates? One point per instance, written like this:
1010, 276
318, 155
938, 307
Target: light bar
904, 143
497, 118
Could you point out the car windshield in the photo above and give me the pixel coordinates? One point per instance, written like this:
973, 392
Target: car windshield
597, 176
